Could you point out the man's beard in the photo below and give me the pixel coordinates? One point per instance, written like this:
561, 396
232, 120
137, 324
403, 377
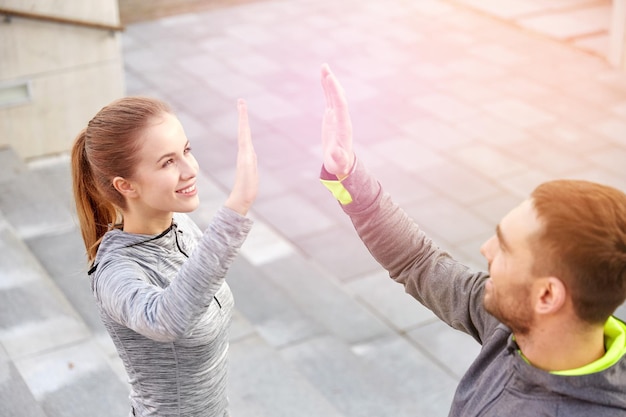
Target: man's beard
515, 311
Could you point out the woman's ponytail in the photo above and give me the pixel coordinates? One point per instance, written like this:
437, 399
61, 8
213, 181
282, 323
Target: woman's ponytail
94, 212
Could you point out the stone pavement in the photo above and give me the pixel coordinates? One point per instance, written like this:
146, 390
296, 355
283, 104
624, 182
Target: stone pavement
458, 113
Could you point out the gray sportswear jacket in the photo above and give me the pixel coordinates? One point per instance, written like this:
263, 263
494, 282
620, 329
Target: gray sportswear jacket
499, 383
165, 304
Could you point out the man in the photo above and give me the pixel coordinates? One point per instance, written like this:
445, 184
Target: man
543, 313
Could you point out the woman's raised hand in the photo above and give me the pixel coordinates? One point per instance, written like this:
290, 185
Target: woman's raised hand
246, 185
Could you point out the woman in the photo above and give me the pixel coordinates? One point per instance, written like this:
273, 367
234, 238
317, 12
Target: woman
157, 279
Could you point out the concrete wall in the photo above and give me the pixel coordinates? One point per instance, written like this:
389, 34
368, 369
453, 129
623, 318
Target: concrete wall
72, 72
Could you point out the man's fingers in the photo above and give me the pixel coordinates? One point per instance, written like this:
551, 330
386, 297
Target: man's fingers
325, 86
336, 96
244, 135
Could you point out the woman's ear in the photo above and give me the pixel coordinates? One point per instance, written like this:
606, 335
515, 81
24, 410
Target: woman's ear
124, 187
551, 296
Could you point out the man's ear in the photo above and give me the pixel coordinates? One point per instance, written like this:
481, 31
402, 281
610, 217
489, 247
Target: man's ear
551, 295
124, 187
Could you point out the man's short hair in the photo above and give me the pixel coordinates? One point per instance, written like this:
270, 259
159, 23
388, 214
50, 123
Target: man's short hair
583, 243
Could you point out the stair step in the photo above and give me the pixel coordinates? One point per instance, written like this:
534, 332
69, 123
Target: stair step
31, 206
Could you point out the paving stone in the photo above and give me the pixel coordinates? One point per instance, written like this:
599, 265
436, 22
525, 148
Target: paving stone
445, 107
520, 87
453, 349
240, 328
293, 223
544, 157
29, 338
389, 301
404, 187
493, 209
340, 252
323, 300
523, 184
263, 245
597, 44
447, 219
272, 148
411, 375
98, 394
610, 159
486, 160
170, 81
475, 69
583, 112
74, 381
468, 252
407, 154
619, 109
571, 138
490, 130
497, 54
351, 387
234, 86
16, 398
459, 183
602, 176
262, 384
503, 8
268, 308
570, 24
435, 134
613, 128
518, 113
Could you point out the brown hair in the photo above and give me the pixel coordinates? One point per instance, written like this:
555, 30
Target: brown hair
105, 149
583, 242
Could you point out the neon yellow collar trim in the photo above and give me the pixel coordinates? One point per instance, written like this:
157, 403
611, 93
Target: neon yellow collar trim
615, 343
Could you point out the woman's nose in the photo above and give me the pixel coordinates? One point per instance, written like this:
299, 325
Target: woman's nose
188, 169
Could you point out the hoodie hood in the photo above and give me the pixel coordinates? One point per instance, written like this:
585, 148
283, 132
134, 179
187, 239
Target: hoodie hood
172, 238
603, 386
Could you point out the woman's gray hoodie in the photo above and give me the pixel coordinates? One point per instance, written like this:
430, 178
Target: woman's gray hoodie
165, 304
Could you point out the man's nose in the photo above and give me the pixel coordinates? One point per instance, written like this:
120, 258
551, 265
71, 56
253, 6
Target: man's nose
485, 248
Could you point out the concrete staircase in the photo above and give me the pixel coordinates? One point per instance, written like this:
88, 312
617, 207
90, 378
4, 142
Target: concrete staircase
55, 357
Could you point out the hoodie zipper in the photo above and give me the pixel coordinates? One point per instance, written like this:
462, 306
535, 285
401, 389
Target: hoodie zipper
187, 256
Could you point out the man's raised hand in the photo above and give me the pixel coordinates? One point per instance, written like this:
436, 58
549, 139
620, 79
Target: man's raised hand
336, 127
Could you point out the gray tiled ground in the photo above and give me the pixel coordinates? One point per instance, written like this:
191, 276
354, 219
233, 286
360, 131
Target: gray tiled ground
458, 113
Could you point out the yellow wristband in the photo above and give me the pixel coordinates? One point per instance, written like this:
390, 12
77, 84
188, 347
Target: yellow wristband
338, 191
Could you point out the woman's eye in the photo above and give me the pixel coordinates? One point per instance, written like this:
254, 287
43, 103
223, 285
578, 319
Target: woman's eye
168, 162
188, 149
